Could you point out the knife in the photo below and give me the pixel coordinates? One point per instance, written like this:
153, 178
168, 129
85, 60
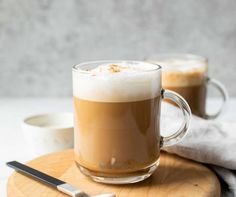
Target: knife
51, 181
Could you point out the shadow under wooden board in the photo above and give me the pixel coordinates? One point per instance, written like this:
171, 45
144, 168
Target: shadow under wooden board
174, 177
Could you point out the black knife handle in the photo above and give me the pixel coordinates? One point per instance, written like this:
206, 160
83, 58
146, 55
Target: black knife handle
51, 181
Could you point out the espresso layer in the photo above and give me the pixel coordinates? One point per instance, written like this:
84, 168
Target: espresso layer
117, 137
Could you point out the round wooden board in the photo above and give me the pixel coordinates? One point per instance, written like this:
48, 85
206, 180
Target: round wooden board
174, 177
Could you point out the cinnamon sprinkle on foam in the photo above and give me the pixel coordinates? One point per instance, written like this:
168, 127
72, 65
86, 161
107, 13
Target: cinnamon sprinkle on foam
114, 68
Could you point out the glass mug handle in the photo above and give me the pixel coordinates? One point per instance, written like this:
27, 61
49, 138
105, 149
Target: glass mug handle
219, 86
184, 107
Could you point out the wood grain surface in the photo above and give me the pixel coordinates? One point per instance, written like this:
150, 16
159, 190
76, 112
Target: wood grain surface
174, 177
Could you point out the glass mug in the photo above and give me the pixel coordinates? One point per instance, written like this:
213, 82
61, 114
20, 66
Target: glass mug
117, 120
187, 75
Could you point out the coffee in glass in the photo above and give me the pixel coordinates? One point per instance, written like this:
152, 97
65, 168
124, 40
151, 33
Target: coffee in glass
117, 119
187, 75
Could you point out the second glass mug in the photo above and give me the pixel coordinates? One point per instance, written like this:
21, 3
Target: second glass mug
187, 74
117, 120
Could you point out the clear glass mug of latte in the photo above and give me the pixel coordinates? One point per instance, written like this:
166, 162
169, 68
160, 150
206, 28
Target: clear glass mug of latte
187, 75
117, 120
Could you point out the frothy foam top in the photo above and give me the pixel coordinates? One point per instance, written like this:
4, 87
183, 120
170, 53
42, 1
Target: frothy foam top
183, 65
179, 72
117, 82
121, 68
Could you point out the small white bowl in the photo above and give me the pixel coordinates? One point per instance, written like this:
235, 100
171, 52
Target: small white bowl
47, 133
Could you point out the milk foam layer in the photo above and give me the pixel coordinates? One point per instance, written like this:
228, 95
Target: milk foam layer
117, 82
180, 64
182, 72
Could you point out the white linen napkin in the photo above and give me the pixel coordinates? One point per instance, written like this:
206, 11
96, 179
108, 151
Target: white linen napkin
207, 141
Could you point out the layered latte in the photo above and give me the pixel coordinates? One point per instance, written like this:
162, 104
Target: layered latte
186, 76
117, 117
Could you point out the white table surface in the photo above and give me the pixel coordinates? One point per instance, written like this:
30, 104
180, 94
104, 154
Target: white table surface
12, 111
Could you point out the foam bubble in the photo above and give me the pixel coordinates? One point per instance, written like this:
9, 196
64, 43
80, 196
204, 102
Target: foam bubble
117, 82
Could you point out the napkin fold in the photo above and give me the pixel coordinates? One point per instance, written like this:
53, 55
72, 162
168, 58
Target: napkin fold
211, 142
